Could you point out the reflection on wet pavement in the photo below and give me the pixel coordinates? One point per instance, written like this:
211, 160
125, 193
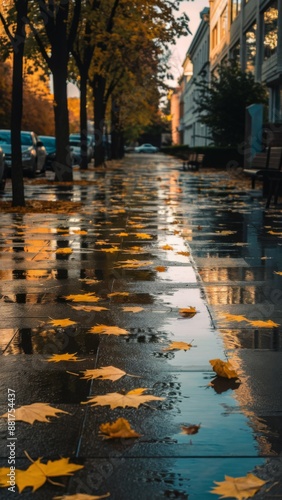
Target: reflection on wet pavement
154, 239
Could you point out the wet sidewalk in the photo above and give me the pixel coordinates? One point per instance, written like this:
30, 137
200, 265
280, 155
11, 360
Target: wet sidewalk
147, 241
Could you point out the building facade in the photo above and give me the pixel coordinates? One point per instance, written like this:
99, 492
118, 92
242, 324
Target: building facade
248, 31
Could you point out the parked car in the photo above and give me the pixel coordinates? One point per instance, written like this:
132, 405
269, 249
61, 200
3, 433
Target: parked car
146, 148
49, 143
90, 144
75, 152
3, 172
33, 151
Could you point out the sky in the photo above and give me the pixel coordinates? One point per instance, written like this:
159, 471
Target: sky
192, 9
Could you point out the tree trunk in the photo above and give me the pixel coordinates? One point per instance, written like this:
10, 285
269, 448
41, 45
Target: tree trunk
63, 164
18, 198
99, 86
83, 120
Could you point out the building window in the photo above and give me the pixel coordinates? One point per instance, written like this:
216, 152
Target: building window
235, 53
235, 9
270, 24
214, 36
223, 24
250, 44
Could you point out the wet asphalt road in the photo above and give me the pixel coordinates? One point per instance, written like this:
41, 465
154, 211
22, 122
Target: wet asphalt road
158, 239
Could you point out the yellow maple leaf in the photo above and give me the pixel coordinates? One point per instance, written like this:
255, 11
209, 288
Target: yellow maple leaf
119, 429
275, 233
4, 471
35, 411
104, 373
186, 254
161, 269
89, 308
177, 346
143, 236
108, 330
167, 247
122, 234
56, 358
134, 263
190, 429
116, 294
240, 488
223, 368
83, 297
62, 322
133, 309
263, 324
278, 272
234, 317
132, 398
64, 250
110, 249
188, 312
81, 496
37, 473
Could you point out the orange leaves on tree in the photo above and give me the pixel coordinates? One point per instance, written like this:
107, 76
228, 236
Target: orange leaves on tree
178, 346
83, 297
35, 411
132, 398
240, 488
108, 330
56, 358
119, 429
104, 373
188, 312
223, 368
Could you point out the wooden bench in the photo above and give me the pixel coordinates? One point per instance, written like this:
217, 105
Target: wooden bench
193, 161
266, 166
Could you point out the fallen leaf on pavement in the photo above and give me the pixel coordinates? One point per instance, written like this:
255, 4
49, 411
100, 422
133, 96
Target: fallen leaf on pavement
188, 312
38, 473
226, 233
119, 429
234, 317
132, 398
110, 249
186, 254
106, 372
223, 368
35, 411
278, 272
190, 429
133, 309
178, 345
89, 281
62, 322
167, 247
56, 358
108, 330
116, 294
143, 236
240, 488
83, 297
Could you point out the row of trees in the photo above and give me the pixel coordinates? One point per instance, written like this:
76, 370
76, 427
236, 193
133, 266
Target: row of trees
115, 50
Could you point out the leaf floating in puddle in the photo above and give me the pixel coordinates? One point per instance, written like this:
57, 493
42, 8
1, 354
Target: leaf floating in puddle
190, 429
118, 294
263, 324
56, 358
90, 308
167, 247
160, 269
62, 322
83, 297
226, 233
234, 317
143, 236
186, 254
133, 309
64, 250
119, 429
240, 488
177, 346
81, 496
110, 249
108, 330
35, 411
278, 272
133, 263
188, 312
89, 281
223, 368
